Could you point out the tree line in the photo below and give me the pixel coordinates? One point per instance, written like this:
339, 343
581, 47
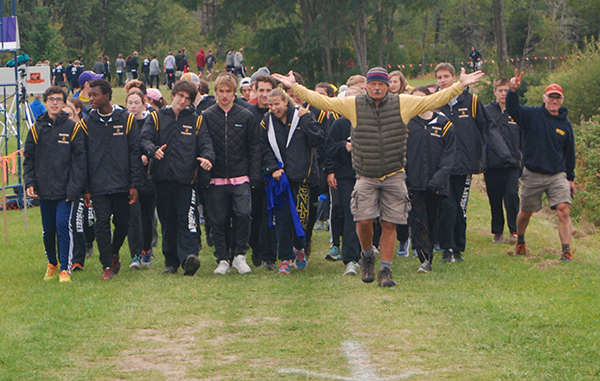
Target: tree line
324, 40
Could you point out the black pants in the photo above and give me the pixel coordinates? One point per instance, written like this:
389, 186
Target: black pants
147, 79
263, 239
336, 217
220, 199
140, 224
120, 79
351, 244
424, 217
402, 232
170, 77
152, 78
502, 185
175, 204
83, 231
287, 239
116, 205
312, 210
452, 231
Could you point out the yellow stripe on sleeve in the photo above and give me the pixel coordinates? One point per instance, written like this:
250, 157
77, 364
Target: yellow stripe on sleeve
446, 128
34, 133
198, 124
474, 106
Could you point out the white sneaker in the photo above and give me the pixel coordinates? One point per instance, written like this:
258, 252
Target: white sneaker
223, 268
352, 268
239, 263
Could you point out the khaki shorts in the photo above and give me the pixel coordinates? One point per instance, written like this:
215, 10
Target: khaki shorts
387, 199
533, 185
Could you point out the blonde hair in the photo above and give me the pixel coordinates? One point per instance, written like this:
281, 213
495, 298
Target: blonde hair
352, 81
403, 81
226, 79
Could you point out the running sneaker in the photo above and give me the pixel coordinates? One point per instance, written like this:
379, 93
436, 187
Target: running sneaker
223, 268
136, 262
334, 254
269, 265
107, 274
239, 263
77, 267
404, 248
191, 265
284, 267
300, 259
498, 238
146, 259
50, 271
64, 277
352, 268
457, 257
425, 268
385, 278
447, 257
521, 249
116, 264
169, 270
436, 247
567, 257
513, 238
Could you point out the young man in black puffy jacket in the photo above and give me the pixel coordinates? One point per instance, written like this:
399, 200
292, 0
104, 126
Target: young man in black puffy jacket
173, 136
236, 169
114, 172
55, 172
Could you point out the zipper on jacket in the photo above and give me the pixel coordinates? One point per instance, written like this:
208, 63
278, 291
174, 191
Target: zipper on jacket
226, 147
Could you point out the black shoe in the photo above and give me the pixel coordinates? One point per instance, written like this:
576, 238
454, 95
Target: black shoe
446, 256
256, 261
367, 269
209, 240
385, 278
458, 257
269, 265
191, 265
170, 270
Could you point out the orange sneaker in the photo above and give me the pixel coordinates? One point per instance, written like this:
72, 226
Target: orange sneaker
64, 277
567, 257
50, 271
521, 249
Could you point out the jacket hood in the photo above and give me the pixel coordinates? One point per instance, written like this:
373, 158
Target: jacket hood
202, 51
563, 112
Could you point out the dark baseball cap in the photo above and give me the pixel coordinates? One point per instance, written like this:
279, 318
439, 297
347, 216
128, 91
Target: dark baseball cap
88, 76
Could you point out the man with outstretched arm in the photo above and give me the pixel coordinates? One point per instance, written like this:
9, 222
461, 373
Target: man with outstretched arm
548, 159
379, 136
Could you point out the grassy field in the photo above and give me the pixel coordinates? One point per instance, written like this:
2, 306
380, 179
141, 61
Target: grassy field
493, 317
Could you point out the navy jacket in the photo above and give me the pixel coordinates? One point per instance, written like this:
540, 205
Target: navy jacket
185, 140
113, 154
549, 141
55, 162
510, 134
470, 129
430, 154
336, 151
300, 158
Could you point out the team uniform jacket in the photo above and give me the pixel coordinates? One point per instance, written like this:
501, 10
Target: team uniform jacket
470, 129
186, 140
336, 151
549, 141
511, 135
55, 162
146, 185
113, 155
300, 161
236, 142
430, 154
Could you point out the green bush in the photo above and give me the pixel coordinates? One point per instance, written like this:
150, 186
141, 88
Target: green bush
580, 80
587, 199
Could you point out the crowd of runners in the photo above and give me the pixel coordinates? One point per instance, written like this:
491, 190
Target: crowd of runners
387, 165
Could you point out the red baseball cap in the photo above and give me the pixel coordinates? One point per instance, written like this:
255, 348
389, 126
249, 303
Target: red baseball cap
554, 89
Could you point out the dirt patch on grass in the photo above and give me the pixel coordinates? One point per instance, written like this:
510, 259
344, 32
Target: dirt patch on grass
547, 264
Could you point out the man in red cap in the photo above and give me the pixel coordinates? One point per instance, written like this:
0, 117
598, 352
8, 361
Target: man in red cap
548, 159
